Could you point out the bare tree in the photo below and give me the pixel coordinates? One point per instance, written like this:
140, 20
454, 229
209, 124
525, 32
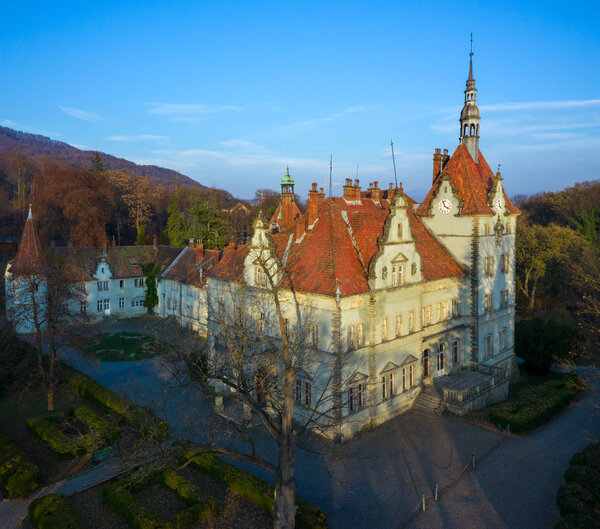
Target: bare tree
47, 302
261, 340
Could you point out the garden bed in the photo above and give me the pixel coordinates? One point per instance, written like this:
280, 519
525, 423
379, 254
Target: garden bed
534, 401
122, 346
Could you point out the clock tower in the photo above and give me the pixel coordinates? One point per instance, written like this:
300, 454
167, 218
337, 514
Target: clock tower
469, 212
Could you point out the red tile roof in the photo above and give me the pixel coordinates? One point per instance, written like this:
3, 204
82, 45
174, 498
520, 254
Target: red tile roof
30, 257
472, 182
337, 253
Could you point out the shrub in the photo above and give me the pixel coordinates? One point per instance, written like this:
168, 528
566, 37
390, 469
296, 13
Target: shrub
574, 499
143, 418
54, 512
98, 425
18, 475
257, 490
588, 457
531, 405
120, 496
541, 342
577, 521
584, 476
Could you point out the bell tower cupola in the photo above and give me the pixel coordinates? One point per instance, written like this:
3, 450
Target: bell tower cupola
469, 117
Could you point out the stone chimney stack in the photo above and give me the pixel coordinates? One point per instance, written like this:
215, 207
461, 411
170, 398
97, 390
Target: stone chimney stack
376, 192
356, 190
312, 208
348, 190
437, 163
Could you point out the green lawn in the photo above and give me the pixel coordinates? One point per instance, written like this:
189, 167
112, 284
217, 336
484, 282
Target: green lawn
123, 346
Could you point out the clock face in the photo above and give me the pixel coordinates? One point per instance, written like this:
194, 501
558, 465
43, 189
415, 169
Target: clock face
445, 206
498, 205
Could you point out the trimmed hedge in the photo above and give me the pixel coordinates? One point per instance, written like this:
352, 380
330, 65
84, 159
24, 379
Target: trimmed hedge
530, 405
121, 496
18, 475
308, 515
584, 476
54, 512
579, 500
101, 432
143, 418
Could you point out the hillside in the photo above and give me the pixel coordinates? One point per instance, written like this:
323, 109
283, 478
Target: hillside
36, 145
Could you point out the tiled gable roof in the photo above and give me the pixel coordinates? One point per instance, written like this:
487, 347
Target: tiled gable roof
472, 182
83, 261
336, 253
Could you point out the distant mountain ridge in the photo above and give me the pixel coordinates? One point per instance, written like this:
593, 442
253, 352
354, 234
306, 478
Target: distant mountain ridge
38, 145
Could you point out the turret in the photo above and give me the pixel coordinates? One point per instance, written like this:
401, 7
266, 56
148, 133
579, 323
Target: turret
469, 117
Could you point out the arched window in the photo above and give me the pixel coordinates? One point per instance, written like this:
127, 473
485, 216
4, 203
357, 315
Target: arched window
466, 130
472, 130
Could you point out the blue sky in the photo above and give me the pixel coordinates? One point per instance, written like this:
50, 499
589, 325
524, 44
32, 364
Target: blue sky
230, 93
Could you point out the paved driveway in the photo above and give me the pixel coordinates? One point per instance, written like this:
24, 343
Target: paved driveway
376, 479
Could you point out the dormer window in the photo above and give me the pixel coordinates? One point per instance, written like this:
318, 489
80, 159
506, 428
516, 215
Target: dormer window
133, 262
260, 277
397, 275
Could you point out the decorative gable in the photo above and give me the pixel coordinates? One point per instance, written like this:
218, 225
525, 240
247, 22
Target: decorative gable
261, 261
103, 270
446, 202
397, 261
390, 366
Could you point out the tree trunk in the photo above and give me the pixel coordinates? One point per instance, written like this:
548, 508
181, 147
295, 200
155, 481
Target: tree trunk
51, 370
284, 505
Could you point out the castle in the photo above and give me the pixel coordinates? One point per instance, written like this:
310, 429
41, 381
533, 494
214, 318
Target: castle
412, 303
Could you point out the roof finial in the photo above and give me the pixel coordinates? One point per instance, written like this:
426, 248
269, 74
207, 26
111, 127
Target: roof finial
30, 216
471, 43
471, 60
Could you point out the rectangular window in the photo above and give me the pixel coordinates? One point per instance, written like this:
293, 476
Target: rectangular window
138, 282
397, 275
121, 303
121, 283
455, 352
83, 306
488, 302
102, 304
426, 315
399, 331
488, 347
102, 286
505, 263
388, 385
504, 298
314, 334
439, 312
445, 310
411, 321
408, 377
303, 393
456, 307
384, 329
260, 277
504, 339
356, 397
489, 265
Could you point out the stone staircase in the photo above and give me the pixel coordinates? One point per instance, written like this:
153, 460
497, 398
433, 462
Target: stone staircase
429, 404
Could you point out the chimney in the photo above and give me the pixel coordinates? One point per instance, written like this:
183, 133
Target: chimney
191, 243
321, 195
376, 192
300, 227
356, 190
312, 208
154, 241
348, 190
445, 157
437, 163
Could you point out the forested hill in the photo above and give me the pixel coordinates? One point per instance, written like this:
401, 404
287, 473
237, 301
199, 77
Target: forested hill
33, 145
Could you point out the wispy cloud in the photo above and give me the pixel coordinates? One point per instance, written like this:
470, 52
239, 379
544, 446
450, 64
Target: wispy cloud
541, 105
137, 138
188, 112
243, 146
311, 123
85, 115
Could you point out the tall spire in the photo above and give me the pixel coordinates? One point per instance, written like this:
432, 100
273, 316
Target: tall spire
30, 256
469, 117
